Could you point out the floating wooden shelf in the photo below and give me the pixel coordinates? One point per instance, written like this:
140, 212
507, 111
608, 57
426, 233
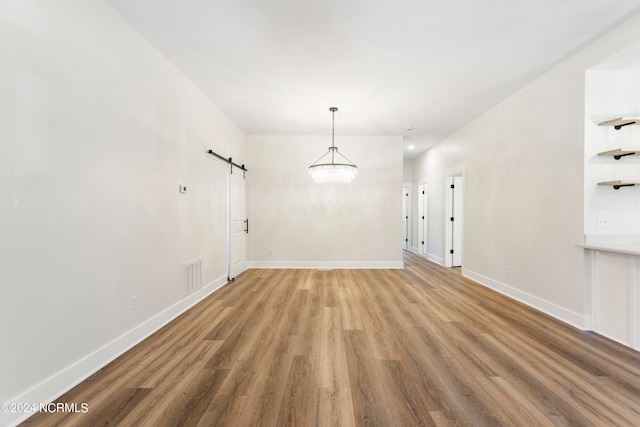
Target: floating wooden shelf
621, 152
621, 183
621, 122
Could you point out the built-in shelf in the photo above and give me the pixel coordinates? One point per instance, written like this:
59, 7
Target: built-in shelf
621, 152
620, 183
620, 122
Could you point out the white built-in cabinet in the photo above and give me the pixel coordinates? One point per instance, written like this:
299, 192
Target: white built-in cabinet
612, 261
612, 292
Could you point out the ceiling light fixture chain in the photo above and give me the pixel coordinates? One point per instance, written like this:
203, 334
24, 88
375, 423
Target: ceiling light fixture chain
333, 172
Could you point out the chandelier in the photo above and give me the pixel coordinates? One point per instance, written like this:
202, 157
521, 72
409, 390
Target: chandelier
328, 169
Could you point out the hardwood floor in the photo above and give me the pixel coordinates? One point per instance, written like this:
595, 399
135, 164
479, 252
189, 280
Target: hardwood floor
421, 346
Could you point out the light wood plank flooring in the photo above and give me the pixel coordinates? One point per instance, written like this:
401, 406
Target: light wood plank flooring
421, 346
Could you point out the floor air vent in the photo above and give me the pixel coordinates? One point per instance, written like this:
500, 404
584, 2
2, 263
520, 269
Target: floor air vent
191, 276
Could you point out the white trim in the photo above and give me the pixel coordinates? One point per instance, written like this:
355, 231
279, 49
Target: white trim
328, 264
436, 259
456, 170
64, 380
415, 250
560, 313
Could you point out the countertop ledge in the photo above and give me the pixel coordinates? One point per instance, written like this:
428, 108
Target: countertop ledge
622, 248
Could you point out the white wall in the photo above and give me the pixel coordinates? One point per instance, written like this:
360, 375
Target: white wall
297, 223
523, 163
407, 171
97, 131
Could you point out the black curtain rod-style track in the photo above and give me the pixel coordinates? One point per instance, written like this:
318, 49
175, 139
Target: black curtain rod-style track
228, 160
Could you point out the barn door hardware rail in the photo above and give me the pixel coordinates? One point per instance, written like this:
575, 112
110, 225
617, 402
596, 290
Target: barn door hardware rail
228, 160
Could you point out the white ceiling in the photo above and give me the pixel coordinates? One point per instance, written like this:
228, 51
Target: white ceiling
276, 66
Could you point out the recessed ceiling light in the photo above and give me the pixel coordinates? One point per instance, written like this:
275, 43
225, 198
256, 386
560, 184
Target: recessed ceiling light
411, 147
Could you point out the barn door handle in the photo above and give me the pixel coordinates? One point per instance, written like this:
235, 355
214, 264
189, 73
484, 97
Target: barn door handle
246, 221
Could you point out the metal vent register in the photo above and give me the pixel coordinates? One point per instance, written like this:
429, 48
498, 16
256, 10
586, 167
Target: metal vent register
191, 276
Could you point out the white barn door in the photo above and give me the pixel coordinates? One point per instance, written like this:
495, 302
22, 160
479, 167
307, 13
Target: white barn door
238, 224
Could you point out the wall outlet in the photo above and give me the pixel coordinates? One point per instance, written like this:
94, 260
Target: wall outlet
603, 222
508, 270
134, 302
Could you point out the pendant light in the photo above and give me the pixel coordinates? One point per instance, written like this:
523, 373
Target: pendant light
328, 168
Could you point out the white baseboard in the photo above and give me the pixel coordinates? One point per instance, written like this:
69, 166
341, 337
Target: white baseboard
328, 264
554, 310
435, 259
61, 382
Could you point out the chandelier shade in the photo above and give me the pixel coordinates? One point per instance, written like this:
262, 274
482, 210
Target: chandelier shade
333, 167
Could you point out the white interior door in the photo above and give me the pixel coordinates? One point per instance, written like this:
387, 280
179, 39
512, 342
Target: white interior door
422, 218
457, 207
405, 218
238, 225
